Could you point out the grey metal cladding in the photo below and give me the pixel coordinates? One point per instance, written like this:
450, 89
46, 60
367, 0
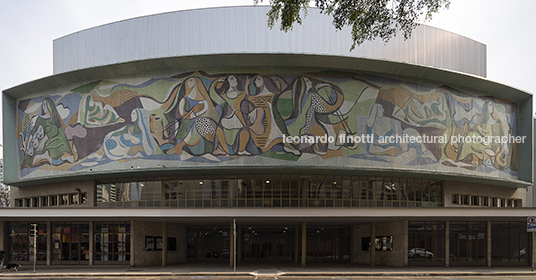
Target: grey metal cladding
244, 30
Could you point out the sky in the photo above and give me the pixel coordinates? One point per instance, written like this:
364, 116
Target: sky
28, 27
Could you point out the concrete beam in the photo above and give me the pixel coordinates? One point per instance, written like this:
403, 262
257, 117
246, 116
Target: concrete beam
329, 214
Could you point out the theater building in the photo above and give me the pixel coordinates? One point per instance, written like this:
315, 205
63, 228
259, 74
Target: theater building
204, 136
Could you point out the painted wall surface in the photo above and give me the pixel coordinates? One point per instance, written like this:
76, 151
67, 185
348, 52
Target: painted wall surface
261, 119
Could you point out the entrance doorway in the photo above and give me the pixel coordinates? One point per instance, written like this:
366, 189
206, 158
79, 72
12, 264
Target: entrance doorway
272, 243
468, 244
209, 243
328, 244
71, 243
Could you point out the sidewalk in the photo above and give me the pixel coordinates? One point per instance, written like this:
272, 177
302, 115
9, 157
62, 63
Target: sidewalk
215, 269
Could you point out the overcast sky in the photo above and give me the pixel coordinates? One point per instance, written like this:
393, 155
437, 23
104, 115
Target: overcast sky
28, 27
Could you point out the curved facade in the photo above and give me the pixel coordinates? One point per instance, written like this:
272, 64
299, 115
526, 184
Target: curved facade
242, 30
227, 120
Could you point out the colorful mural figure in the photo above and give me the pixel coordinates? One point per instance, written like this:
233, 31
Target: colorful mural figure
204, 117
132, 141
43, 140
196, 118
489, 121
310, 107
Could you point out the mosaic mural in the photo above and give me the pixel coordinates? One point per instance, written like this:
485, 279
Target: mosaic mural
214, 118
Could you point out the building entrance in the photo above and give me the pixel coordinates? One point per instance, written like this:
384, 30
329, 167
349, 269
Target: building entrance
273, 243
71, 243
208, 243
468, 244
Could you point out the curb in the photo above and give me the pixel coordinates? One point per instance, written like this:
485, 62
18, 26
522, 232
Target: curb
299, 274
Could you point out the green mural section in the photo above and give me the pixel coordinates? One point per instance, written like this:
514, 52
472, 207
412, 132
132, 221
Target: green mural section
220, 118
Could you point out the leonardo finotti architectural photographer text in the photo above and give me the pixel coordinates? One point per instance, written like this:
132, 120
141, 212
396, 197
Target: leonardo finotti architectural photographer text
370, 138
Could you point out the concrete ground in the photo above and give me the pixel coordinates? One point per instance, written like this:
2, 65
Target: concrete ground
260, 270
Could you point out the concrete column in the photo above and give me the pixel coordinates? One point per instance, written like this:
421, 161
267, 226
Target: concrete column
372, 244
3, 240
91, 242
50, 230
297, 244
533, 259
4, 244
164, 243
488, 243
447, 244
239, 245
231, 250
304, 244
406, 236
184, 242
353, 243
132, 244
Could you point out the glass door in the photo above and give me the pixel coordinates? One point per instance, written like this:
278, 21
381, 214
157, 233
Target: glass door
262, 243
71, 243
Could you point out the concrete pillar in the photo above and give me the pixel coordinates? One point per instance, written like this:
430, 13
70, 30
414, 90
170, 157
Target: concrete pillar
372, 244
91, 242
132, 244
353, 243
231, 250
50, 230
297, 244
3, 239
164, 243
239, 245
304, 244
447, 244
488, 243
184, 243
406, 236
533, 259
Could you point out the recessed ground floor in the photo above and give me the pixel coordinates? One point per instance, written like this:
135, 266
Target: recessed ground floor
162, 238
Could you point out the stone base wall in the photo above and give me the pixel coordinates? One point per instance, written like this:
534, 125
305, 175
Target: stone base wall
154, 258
397, 257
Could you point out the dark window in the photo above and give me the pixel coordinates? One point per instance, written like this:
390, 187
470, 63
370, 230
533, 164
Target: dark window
464, 199
475, 200
64, 199
35, 202
74, 199
54, 200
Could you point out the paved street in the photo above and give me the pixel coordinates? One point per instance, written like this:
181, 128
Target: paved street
268, 271
282, 277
